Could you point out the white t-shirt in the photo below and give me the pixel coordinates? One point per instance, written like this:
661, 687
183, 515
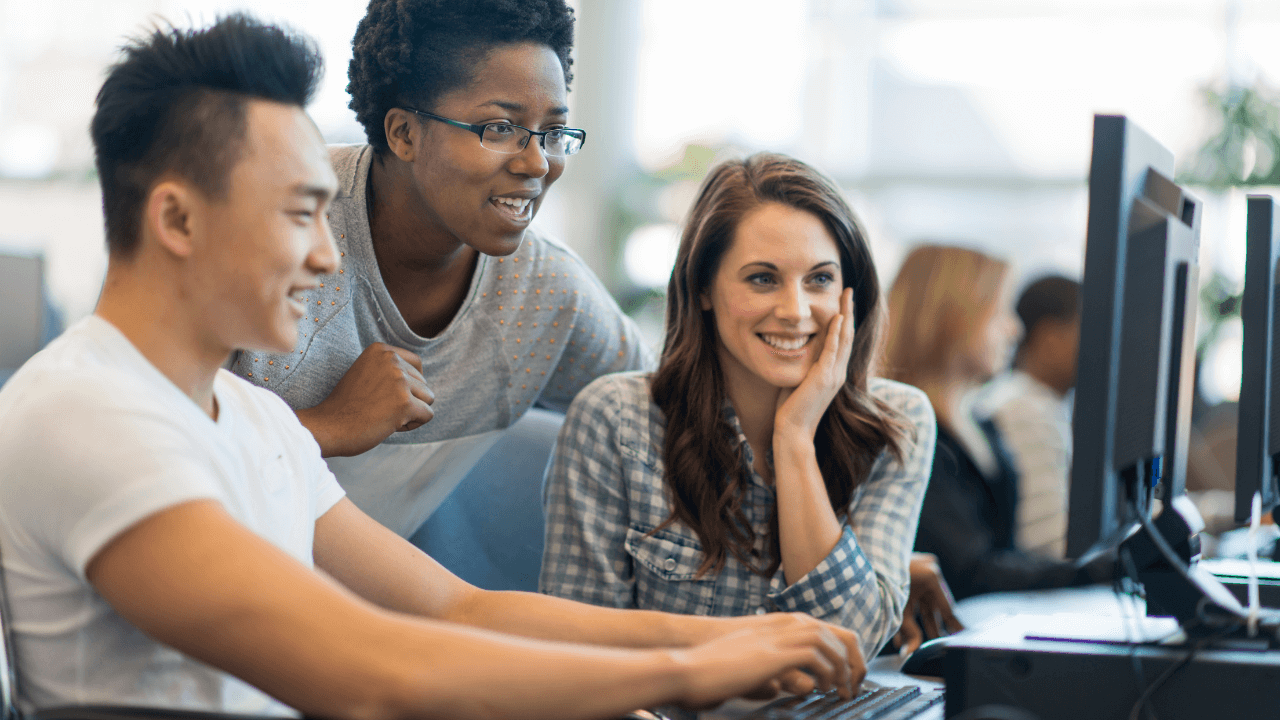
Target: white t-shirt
95, 439
1035, 423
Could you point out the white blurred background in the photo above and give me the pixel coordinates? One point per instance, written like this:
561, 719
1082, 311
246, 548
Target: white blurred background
964, 121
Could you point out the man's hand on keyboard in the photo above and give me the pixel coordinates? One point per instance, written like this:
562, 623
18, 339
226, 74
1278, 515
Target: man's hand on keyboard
767, 653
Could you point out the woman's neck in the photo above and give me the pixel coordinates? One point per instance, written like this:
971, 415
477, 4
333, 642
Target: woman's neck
756, 404
426, 271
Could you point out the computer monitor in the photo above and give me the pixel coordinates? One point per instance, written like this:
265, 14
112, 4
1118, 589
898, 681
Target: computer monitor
1131, 422
22, 310
1131, 425
1258, 438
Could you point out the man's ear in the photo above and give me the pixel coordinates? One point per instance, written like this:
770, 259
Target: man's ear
404, 133
171, 217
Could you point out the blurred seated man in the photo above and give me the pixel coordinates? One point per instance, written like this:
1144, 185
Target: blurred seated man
171, 536
1029, 407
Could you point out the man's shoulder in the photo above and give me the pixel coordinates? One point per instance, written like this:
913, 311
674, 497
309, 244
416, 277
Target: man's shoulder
84, 366
50, 387
67, 399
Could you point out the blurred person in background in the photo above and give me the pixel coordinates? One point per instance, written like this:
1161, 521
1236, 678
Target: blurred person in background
760, 468
450, 316
950, 330
1029, 406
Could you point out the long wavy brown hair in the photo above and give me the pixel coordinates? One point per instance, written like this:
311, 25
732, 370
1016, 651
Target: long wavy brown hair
706, 470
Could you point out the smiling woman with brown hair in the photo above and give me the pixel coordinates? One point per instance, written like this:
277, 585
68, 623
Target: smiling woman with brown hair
761, 468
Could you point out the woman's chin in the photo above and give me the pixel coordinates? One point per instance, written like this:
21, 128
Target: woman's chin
782, 382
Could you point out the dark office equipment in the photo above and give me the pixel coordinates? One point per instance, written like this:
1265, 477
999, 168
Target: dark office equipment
1131, 428
1258, 438
1057, 679
22, 310
879, 703
1234, 574
1140, 224
1133, 411
1258, 432
927, 659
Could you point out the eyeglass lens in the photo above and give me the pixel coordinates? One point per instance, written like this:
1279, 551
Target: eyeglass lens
510, 139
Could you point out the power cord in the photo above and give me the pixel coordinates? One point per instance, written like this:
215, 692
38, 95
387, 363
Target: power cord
1124, 597
1145, 697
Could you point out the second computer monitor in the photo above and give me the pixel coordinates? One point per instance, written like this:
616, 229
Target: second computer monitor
1258, 438
1133, 391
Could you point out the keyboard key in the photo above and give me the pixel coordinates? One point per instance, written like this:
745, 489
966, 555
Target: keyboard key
880, 703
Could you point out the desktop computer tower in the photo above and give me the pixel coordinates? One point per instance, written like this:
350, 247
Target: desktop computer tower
992, 672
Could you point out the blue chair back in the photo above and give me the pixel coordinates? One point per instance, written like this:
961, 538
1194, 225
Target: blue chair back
489, 531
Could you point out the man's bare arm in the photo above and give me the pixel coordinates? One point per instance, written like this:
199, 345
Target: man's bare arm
387, 570
195, 579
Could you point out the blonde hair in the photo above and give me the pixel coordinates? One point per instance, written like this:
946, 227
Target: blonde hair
940, 298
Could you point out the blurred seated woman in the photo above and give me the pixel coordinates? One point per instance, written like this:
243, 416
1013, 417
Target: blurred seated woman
760, 468
951, 328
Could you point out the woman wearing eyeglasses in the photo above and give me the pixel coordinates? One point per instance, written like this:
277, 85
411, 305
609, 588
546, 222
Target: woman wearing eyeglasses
451, 315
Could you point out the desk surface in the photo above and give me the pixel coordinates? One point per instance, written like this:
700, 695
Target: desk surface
977, 612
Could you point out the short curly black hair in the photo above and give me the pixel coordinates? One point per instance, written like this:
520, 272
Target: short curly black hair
413, 51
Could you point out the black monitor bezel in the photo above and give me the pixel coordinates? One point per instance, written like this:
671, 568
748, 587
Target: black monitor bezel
1101, 504
1258, 428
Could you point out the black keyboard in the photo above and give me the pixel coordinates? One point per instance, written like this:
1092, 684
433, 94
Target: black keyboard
880, 703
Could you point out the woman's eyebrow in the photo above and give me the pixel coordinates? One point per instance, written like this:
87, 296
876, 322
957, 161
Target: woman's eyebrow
516, 107
771, 266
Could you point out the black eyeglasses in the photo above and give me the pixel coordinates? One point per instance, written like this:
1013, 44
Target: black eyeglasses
509, 139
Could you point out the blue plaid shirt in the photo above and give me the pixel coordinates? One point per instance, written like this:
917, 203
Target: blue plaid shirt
604, 495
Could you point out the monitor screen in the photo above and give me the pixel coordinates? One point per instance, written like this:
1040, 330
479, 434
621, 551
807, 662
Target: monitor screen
1137, 342
21, 308
1258, 438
